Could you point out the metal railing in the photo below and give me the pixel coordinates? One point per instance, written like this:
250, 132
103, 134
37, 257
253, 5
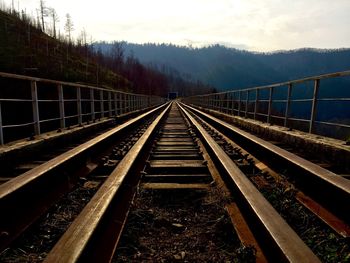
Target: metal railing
31, 106
299, 104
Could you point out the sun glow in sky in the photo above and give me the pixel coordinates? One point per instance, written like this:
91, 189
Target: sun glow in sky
260, 25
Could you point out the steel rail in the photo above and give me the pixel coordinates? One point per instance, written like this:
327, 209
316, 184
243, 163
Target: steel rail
287, 245
331, 220
326, 187
26, 197
93, 236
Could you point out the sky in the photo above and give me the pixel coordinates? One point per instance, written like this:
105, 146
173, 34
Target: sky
256, 25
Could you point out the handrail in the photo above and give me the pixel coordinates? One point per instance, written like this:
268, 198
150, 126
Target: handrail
250, 103
85, 103
296, 81
50, 81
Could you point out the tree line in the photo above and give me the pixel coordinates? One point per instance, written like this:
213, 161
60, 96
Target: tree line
35, 46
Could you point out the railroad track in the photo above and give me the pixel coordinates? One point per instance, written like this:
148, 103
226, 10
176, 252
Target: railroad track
17, 162
27, 197
176, 157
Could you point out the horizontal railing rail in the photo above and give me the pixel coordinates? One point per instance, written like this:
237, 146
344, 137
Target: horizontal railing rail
30, 103
292, 104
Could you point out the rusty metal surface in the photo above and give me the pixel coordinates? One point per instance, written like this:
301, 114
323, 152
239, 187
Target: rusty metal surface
29, 195
175, 161
331, 220
243, 231
324, 185
176, 164
172, 186
85, 240
326, 216
286, 243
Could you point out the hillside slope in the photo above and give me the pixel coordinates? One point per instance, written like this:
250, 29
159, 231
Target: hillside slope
227, 68
25, 49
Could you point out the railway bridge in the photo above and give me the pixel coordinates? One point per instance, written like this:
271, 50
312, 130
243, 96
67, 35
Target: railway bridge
253, 175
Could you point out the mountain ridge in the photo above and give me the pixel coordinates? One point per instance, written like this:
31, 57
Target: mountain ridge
230, 68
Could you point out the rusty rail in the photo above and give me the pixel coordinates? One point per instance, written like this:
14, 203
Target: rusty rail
29, 195
325, 186
286, 244
93, 236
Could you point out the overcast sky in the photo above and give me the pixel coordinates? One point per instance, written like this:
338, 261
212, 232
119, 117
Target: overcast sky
260, 25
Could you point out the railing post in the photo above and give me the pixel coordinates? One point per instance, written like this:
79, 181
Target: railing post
246, 104
256, 102
314, 105
80, 117
35, 107
109, 104
121, 103
286, 114
123, 108
239, 102
92, 104
126, 101
217, 103
1, 129
115, 103
221, 101
129, 103
102, 108
61, 106
270, 106
233, 96
223, 104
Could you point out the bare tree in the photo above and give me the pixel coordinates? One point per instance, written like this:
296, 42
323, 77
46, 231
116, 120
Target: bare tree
69, 27
84, 42
117, 54
44, 11
38, 24
84, 37
55, 19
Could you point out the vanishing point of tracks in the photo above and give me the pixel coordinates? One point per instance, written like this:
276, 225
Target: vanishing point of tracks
175, 184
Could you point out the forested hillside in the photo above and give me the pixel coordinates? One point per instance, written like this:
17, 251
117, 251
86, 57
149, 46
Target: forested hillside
26, 49
227, 68
29, 48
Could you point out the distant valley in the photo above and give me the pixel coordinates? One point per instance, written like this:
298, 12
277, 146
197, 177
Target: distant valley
228, 68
